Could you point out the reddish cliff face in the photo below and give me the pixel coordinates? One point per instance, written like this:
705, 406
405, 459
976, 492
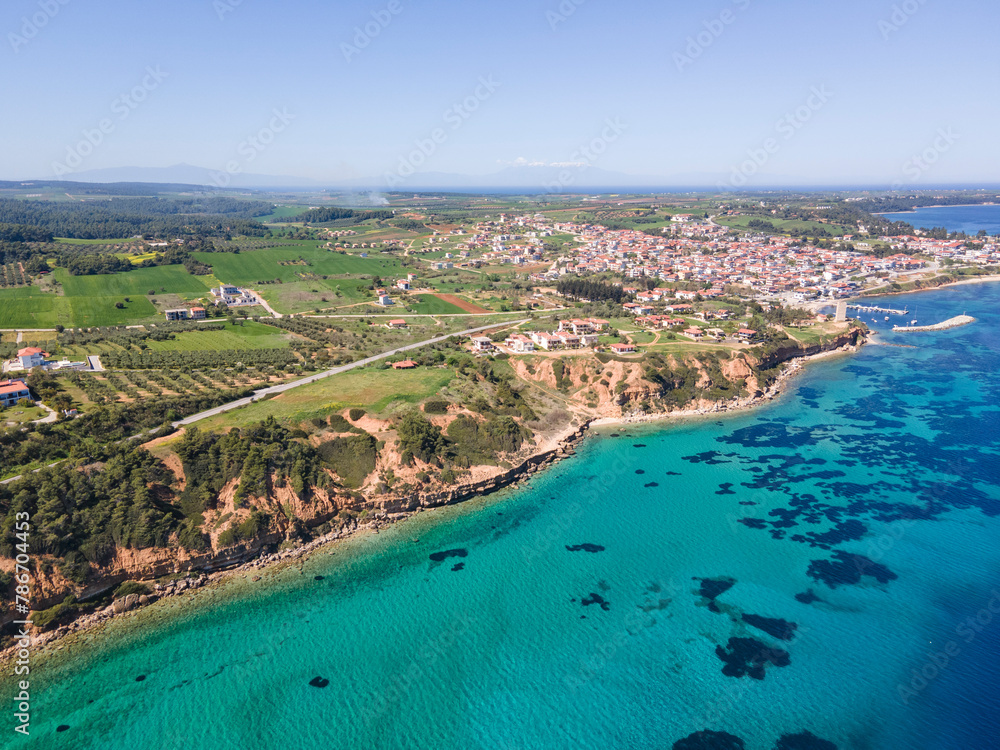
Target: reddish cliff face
852, 337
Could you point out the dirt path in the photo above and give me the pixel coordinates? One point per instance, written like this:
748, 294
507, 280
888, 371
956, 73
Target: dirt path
461, 303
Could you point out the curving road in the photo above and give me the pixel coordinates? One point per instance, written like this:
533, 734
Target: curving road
257, 395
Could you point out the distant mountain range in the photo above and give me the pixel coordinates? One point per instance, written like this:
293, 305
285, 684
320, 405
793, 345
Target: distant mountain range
520, 178
528, 178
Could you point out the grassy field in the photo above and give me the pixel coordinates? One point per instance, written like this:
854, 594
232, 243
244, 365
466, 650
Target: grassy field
782, 225
247, 268
374, 390
250, 335
171, 279
281, 212
428, 304
90, 300
27, 307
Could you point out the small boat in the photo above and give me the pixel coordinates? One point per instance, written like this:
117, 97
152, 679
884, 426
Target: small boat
886, 317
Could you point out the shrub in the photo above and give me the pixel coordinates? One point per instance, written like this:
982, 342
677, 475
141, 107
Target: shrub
356, 414
131, 587
353, 458
436, 406
339, 424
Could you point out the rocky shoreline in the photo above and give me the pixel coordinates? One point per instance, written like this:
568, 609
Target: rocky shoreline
564, 447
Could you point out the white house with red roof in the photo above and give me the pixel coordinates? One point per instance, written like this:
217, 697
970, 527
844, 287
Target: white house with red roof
12, 391
31, 356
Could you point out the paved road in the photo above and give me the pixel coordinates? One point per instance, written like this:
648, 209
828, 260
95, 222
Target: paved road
335, 371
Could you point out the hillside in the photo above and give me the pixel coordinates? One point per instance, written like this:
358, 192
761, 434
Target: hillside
288, 470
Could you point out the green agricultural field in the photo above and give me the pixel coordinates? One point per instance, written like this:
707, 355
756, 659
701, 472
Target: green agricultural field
27, 307
172, 279
428, 304
250, 335
281, 212
85, 312
371, 388
249, 267
782, 225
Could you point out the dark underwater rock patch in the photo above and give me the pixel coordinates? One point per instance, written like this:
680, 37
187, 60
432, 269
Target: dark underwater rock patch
319, 682
586, 547
803, 741
771, 435
318, 578
140, 678
673, 474
709, 740
62, 727
846, 531
747, 657
650, 484
753, 523
847, 569
442, 556
781, 629
711, 458
807, 597
713, 587
725, 489
596, 599
639, 445
458, 566
640, 471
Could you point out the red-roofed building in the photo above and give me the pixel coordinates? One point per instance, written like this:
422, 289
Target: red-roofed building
406, 364
31, 357
12, 391
623, 348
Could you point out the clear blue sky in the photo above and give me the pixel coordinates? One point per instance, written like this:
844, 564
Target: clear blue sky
890, 91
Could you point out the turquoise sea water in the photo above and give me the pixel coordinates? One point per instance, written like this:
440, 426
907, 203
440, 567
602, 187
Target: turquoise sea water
858, 515
968, 219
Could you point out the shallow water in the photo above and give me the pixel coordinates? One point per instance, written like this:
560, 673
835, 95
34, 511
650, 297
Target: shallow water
577, 616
